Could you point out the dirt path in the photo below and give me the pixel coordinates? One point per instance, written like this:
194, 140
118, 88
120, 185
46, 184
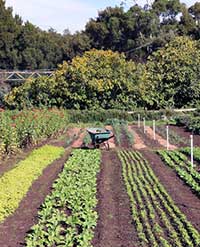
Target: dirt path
138, 142
159, 139
124, 142
114, 228
13, 229
188, 203
79, 141
141, 139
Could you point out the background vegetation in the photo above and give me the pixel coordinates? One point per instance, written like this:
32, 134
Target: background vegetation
159, 66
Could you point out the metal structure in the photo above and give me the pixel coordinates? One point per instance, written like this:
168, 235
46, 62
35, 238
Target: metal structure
21, 76
100, 136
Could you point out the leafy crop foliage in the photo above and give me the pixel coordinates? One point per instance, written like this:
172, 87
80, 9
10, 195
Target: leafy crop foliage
196, 152
179, 162
20, 129
101, 115
158, 221
67, 217
15, 183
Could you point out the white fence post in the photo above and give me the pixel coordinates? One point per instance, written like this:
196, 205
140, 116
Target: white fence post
144, 124
167, 130
154, 129
192, 153
138, 120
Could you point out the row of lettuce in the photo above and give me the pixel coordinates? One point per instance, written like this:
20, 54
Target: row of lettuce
157, 220
15, 183
182, 166
67, 216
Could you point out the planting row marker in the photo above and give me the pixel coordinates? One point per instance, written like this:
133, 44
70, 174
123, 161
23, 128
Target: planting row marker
138, 120
192, 159
154, 129
144, 125
167, 130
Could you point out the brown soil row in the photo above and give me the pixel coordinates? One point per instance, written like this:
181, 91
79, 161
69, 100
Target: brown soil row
124, 142
182, 132
145, 139
14, 229
138, 142
114, 228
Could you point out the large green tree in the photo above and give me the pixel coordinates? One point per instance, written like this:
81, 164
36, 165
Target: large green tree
98, 79
172, 76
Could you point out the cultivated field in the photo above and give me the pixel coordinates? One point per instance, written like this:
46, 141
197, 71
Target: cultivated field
55, 193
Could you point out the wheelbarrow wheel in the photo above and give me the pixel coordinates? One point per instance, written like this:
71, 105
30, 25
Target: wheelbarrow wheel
97, 145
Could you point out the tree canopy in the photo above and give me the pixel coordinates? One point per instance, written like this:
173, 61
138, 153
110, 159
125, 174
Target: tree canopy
172, 75
137, 31
98, 79
143, 56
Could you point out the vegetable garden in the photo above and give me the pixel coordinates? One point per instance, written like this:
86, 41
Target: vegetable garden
58, 194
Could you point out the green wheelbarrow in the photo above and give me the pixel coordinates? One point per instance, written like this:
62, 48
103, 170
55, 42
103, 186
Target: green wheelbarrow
100, 136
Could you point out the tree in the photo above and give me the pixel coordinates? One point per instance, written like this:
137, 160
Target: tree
187, 24
172, 76
9, 30
98, 79
195, 11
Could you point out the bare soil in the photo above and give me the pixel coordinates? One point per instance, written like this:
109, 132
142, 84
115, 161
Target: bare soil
114, 228
188, 202
124, 142
14, 229
79, 141
138, 142
145, 139
186, 134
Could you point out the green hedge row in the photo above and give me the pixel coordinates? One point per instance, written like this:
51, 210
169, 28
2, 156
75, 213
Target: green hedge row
87, 116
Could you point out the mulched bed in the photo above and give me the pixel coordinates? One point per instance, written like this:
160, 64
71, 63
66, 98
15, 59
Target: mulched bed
188, 202
186, 134
14, 229
115, 227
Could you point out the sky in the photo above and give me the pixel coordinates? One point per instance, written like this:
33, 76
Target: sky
64, 14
